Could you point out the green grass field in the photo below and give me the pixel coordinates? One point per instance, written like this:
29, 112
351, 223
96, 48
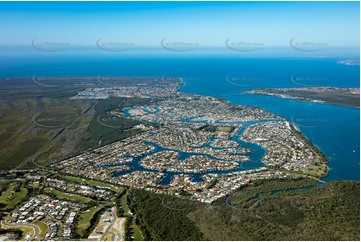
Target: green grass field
19, 196
7, 194
67, 196
125, 207
10, 198
93, 183
43, 227
85, 217
136, 233
316, 171
226, 129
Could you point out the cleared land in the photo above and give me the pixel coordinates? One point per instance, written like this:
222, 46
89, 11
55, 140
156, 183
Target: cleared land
105, 222
110, 227
117, 229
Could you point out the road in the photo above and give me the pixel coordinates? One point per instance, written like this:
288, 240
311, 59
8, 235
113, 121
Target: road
36, 229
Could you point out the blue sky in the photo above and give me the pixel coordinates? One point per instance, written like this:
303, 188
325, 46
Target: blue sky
206, 24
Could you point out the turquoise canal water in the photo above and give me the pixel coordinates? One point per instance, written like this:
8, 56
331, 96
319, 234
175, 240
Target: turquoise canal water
334, 129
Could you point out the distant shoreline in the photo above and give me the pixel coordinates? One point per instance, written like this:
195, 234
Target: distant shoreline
349, 97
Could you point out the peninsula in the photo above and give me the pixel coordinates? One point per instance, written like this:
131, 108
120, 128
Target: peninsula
331, 95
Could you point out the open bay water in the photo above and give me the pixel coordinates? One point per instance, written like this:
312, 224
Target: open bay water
334, 129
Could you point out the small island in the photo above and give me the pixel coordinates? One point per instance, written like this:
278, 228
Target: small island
330, 95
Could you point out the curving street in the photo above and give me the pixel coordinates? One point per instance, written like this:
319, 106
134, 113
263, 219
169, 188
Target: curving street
36, 229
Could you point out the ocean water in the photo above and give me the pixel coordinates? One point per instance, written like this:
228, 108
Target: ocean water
334, 129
